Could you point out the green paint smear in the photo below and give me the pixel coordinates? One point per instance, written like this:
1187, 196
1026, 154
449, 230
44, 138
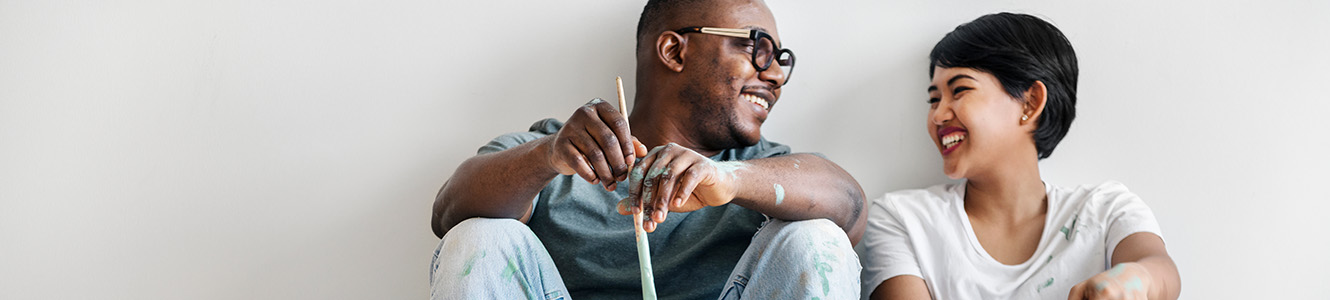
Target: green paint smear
1133, 284
1046, 284
780, 193
823, 260
729, 167
471, 262
1116, 270
511, 270
1099, 287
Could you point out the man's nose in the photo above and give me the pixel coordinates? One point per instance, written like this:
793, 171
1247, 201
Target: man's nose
774, 74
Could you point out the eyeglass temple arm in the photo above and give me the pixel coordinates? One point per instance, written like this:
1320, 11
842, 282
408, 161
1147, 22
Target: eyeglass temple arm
739, 33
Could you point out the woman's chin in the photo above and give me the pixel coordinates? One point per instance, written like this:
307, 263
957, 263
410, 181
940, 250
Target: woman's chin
952, 170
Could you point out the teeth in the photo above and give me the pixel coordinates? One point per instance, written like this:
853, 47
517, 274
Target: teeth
758, 100
951, 140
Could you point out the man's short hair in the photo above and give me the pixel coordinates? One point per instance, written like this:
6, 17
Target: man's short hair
1018, 49
655, 14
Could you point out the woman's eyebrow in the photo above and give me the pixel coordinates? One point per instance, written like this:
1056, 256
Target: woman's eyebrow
958, 77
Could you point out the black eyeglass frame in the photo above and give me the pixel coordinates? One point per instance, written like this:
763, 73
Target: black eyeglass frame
756, 36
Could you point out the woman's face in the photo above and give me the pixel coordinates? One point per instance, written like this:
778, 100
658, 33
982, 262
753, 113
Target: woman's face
974, 123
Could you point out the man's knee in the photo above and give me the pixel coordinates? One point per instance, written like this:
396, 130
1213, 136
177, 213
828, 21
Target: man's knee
818, 241
486, 233
488, 228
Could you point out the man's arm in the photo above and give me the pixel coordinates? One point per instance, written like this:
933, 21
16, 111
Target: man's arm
674, 178
595, 144
816, 188
495, 185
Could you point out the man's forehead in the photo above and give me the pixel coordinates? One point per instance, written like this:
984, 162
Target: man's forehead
742, 14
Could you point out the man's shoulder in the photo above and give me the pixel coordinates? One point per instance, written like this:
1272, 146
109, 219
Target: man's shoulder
763, 149
537, 130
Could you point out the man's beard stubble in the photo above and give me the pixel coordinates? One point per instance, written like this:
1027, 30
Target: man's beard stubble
712, 113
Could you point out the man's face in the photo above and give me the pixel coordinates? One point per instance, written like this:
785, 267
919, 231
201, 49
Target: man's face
727, 98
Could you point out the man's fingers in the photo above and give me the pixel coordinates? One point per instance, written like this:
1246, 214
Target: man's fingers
595, 157
609, 144
669, 184
639, 148
637, 181
623, 138
625, 206
687, 182
572, 157
657, 174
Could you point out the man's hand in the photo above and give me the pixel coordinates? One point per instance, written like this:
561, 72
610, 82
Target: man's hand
595, 143
1124, 281
675, 178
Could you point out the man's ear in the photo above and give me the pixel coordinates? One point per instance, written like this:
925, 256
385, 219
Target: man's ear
670, 49
1035, 99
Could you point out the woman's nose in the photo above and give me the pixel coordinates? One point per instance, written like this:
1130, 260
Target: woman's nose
941, 114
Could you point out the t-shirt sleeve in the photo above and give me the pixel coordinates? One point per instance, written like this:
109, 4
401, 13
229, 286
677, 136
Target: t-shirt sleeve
888, 251
1126, 214
538, 130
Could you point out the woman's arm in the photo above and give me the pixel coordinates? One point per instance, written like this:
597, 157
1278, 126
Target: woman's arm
901, 287
1141, 266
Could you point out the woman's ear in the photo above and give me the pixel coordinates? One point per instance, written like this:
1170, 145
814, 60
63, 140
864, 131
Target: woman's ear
670, 49
1035, 98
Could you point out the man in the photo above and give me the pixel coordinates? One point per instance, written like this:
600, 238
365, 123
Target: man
534, 214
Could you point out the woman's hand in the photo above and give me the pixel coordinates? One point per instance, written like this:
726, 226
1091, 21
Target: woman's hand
1124, 281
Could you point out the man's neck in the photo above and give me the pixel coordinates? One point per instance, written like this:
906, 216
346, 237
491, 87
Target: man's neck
657, 128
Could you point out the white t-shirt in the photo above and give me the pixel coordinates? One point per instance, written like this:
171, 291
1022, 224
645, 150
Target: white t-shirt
926, 233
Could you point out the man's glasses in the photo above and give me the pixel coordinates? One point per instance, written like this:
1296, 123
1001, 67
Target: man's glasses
764, 47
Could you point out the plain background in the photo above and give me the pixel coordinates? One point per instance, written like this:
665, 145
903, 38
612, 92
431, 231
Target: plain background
292, 149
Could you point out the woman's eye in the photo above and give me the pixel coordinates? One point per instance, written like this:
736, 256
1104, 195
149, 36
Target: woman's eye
933, 100
958, 90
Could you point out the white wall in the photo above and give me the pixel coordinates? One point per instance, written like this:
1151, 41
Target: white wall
292, 149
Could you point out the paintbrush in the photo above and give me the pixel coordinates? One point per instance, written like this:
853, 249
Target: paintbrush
643, 248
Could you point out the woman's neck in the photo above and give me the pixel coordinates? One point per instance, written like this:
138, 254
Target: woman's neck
1012, 193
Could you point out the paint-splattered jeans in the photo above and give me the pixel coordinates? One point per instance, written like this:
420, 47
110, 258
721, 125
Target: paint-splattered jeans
809, 259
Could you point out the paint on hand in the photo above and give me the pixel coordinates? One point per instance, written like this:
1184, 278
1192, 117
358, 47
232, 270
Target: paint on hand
1133, 284
780, 193
1100, 286
1116, 270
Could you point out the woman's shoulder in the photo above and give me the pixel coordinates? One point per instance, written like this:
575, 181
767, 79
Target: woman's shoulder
1105, 191
924, 199
1106, 197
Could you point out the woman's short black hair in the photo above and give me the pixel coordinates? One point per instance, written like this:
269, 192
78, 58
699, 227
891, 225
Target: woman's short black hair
1018, 49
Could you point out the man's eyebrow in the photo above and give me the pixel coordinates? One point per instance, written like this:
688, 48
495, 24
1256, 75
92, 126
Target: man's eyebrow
958, 77
932, 88
755, 27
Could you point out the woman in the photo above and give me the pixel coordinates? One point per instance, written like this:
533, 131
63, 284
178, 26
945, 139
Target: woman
1002, 96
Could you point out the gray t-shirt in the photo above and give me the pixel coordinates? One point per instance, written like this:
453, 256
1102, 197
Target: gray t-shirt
594, 248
